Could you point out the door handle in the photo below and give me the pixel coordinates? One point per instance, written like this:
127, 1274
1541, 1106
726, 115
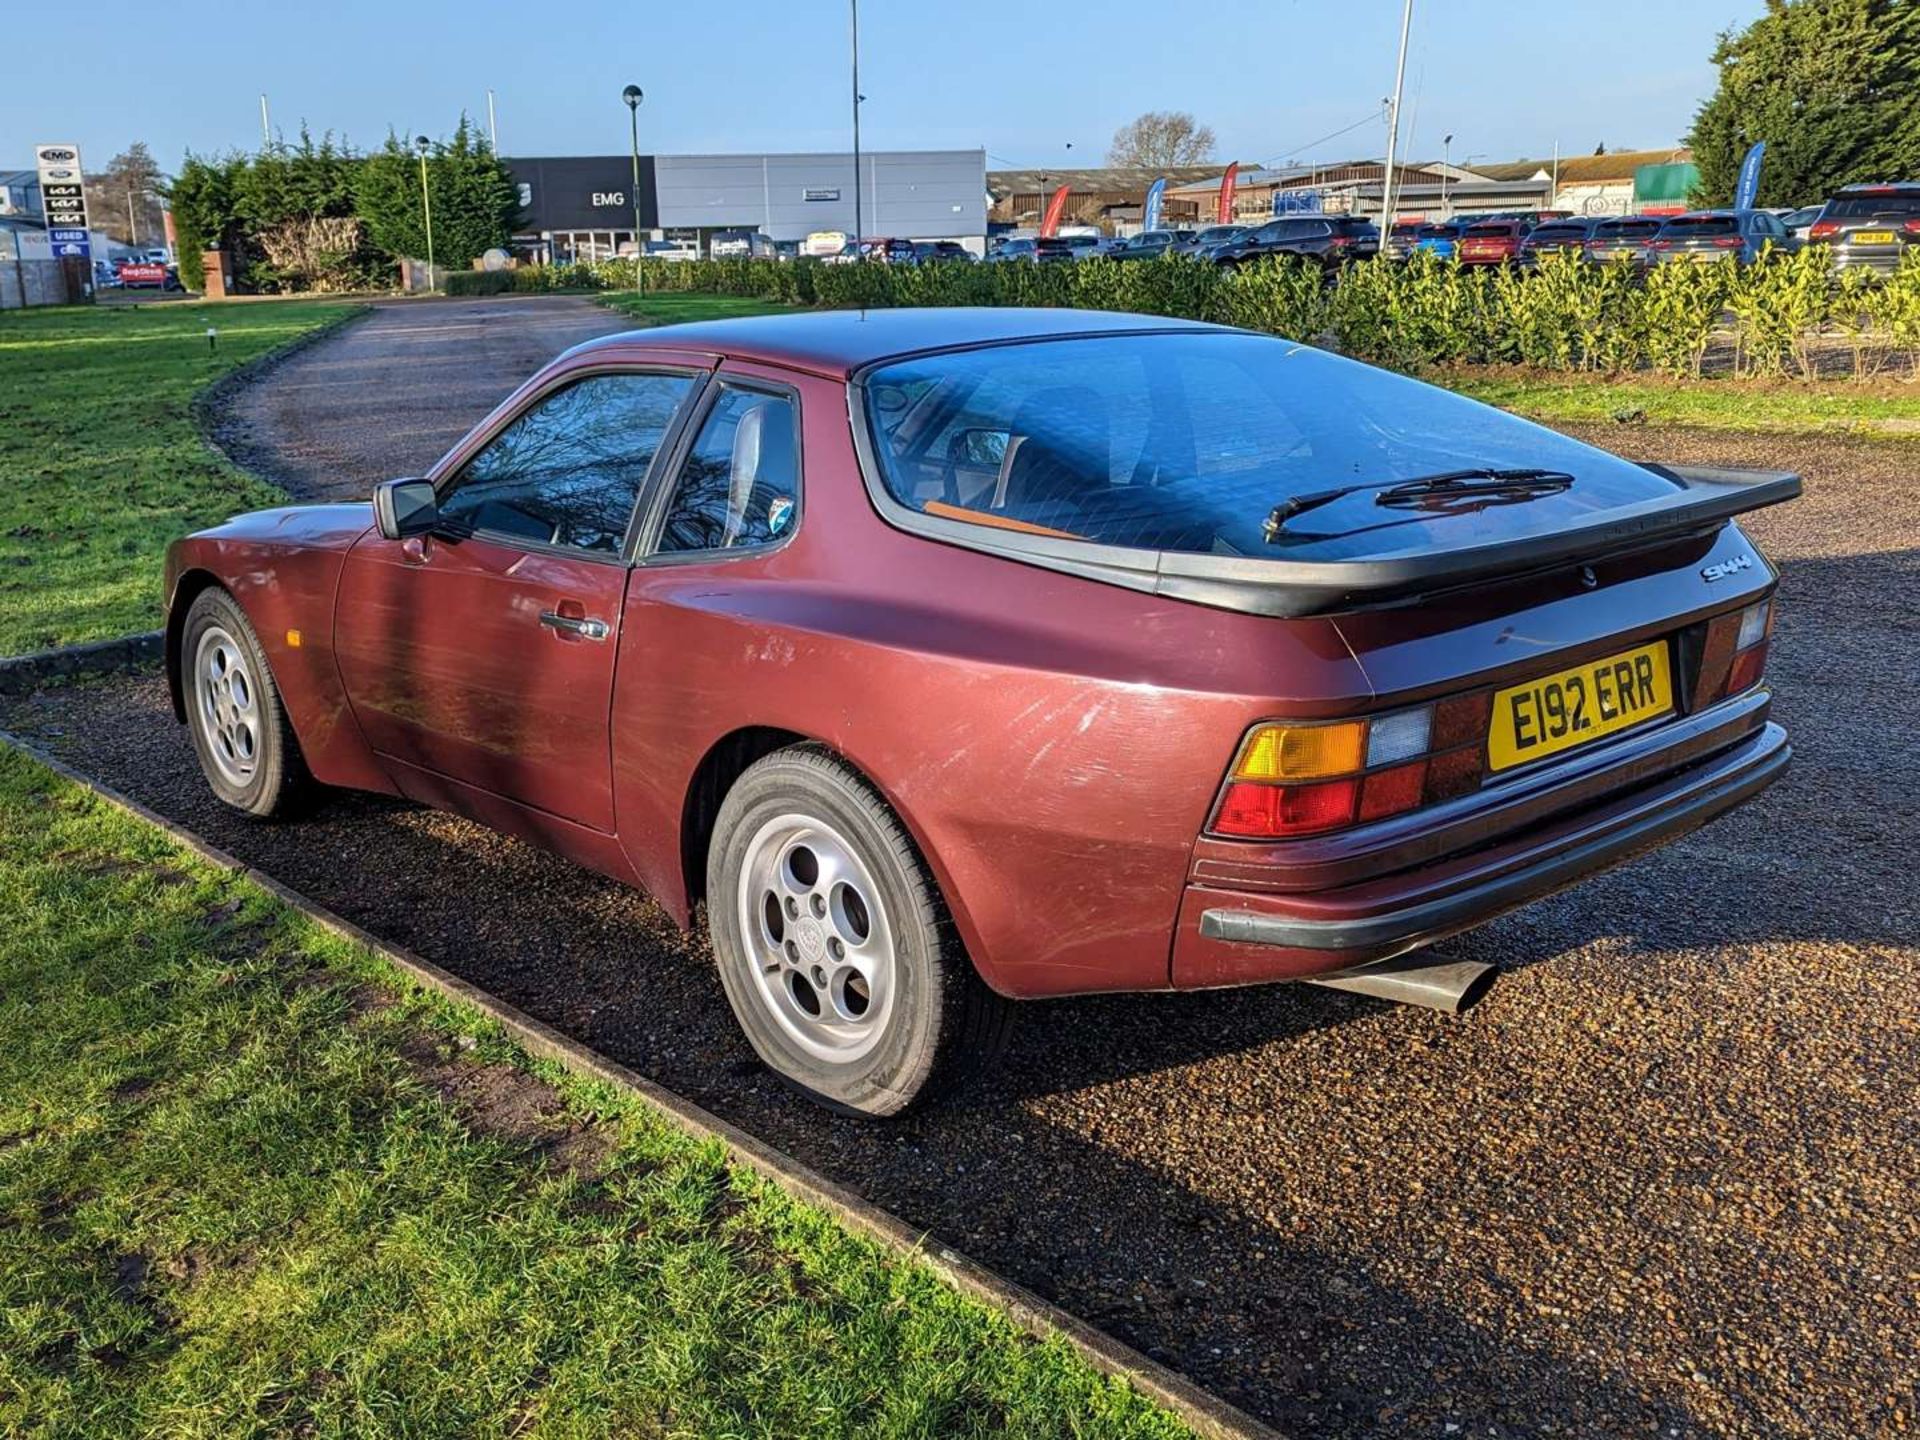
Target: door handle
580, 625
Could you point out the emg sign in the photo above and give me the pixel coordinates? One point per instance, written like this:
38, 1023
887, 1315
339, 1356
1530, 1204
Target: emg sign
609, 197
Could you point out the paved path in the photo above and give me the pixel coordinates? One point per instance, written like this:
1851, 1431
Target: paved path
390, 394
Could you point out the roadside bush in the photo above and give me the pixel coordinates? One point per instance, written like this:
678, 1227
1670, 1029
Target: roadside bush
1683, 303
480, 282
1280, 296
1781, 303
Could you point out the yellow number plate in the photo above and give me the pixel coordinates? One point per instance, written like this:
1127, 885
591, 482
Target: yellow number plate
1559, 712
1873, 237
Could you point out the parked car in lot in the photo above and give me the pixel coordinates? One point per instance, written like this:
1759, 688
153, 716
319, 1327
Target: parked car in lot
1870, 226
926, 250
1013, 247
1799, 222
1555, 237
740, 245
1403, 237
1441, 237
142, 274
862, 631
1147, 245
1330, 239
1208, 237
1623, 239
1711, 236
1492, 242
677, 251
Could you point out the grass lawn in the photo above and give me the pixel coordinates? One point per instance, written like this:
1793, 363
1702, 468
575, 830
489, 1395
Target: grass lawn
251, 1183
1885, 407
100, 464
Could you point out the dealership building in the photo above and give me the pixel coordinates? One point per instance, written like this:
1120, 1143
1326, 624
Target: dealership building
581, 207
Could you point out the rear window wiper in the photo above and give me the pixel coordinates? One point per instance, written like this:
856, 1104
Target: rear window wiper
1522, 483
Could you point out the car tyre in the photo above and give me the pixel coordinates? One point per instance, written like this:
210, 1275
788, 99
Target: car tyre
241, 734
836, 951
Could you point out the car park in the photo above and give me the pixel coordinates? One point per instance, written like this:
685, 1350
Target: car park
1147, 245
1870, 227
1440, 238
1207, 238
1555, 237
1713, 236
1623, 239
677, 251
1493, 242
1403, 237
1332, 240
944, 658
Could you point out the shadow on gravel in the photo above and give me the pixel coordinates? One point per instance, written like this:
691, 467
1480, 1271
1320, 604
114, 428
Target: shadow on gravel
1349, 1219
1026, 1173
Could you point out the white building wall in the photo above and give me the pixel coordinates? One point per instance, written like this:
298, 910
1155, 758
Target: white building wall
909, 194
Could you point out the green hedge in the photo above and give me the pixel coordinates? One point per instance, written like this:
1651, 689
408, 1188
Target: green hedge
1779, 315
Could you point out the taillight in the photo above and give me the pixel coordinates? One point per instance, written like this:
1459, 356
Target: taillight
1727, 242
1912, 227
1824, 230
1289, 780
1735, 655
1659, 245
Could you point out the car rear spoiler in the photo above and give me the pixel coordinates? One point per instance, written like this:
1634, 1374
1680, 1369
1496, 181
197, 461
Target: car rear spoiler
1705, 499
1702, 500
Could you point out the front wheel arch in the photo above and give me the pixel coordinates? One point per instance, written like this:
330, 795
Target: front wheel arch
185, 591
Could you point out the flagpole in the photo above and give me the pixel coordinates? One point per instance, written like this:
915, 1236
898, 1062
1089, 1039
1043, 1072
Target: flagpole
1387, 185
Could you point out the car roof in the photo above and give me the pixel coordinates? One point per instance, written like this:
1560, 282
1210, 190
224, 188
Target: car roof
836, 343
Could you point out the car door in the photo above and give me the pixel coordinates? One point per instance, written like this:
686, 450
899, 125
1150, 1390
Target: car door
483, 653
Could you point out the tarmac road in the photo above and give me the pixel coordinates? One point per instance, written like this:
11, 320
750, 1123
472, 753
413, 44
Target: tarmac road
1661, 1183
390, 394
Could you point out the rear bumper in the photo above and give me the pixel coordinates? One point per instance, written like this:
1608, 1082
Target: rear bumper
1228, 937
1880, 262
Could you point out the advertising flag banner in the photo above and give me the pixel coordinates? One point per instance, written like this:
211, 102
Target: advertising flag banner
1748, 190
1151, 219
1056, 209
1227, 182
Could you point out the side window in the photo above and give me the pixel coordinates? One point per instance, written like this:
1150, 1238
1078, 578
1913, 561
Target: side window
569, 470
741, 480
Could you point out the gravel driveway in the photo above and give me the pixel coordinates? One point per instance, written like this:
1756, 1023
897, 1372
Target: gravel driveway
390, 394
1661, 1183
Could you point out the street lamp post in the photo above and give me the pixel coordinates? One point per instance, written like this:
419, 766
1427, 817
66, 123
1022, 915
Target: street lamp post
422, 144
1387, 184
633, 96
1446, 167
859, 216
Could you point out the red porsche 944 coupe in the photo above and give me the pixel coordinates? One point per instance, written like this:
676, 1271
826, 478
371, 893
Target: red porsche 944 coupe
956, 657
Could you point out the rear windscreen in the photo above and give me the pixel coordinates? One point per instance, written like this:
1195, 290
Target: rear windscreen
1703, 225
1856, 207
1625, 229
1187, 441
1558, 234
1493, 227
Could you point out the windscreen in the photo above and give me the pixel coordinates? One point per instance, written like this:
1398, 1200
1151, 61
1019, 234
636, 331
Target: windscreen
1188, 441
1686, 225
1855, 207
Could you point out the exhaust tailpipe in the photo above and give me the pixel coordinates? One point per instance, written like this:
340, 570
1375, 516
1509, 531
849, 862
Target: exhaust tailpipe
1451, 987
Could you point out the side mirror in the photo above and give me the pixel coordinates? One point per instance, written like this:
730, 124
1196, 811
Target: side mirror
405, 507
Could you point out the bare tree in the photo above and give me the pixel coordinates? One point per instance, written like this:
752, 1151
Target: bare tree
1161, 138
132, 173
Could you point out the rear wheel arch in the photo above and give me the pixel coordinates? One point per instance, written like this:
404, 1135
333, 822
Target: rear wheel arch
186, 590
731, 756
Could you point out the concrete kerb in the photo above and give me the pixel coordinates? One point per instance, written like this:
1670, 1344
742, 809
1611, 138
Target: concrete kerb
1205, 1413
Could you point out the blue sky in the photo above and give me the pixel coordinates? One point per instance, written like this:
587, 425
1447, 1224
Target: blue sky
1024, 79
